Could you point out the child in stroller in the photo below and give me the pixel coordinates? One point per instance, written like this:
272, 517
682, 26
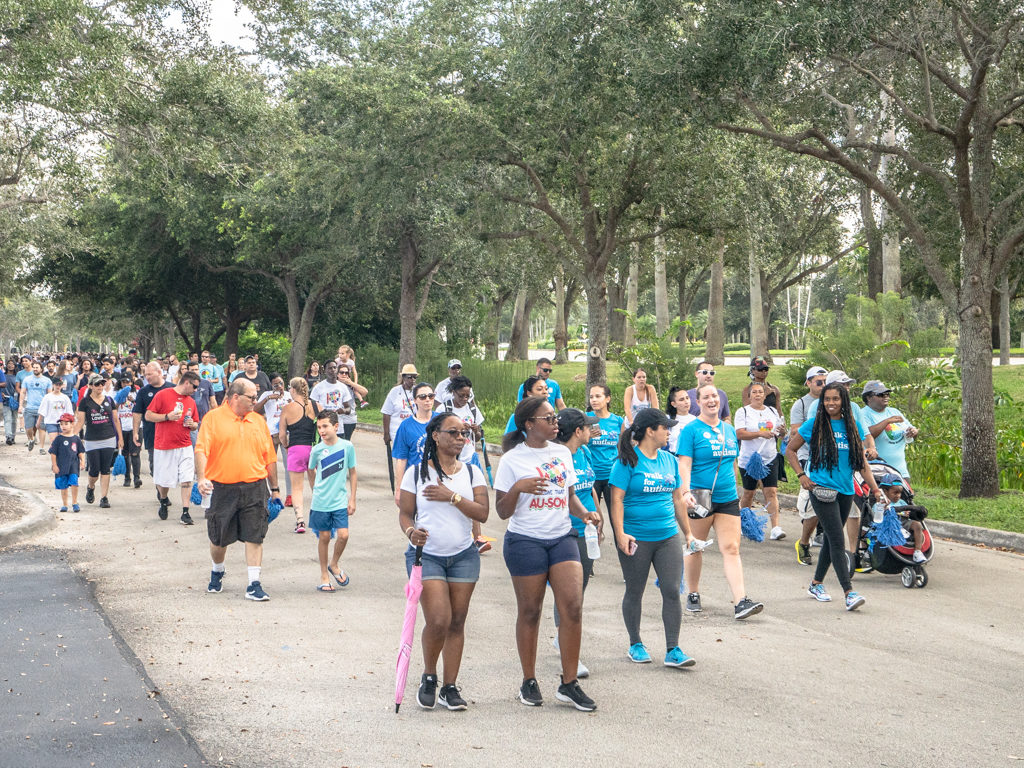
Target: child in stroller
892, 486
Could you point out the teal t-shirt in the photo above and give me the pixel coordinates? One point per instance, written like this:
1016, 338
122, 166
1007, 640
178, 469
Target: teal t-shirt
649, 513
840, 477
605, 447
332, 463
713, 450
554, 393
582, 462
892, 443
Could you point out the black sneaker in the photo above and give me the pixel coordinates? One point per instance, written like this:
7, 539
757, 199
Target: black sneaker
31, 445
186, 519
747, 607
164, 506
104, 504
138, 483
90, 495
127, 483
529, 693
449, 697
216, 581
693, 602
573, 694
426, 696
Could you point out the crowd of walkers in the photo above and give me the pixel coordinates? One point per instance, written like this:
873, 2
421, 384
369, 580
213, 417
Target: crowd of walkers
659, 484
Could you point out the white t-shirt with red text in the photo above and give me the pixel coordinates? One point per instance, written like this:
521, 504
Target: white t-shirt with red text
545, 516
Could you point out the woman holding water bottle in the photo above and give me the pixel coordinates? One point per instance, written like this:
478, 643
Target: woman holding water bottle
707, 451
574, 432
648, 512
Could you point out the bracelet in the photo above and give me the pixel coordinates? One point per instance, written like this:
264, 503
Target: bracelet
802, 474
407, 534
275, 490
452, 499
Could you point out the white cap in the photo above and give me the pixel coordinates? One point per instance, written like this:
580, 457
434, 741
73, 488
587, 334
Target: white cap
837, 377
453, 363
815, 370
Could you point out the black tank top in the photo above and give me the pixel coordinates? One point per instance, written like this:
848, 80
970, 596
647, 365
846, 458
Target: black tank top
301, 432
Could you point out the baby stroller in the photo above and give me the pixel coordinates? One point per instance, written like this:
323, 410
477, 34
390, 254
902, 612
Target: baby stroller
873, 556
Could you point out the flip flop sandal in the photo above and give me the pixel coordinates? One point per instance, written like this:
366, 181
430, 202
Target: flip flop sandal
325, 588
337, 577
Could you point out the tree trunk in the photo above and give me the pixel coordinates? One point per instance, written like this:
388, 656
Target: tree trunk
525, 337
632, 295
661, 316
758, 328
980, 469
232, 320
413, 298
196, 344
519, 321
597, 327
715, 333
615, 294
1004, 320
494, 326
300, 340
891, 280
561, 332
874, 241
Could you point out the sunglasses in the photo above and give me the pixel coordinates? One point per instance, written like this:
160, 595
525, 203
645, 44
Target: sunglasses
545, 370
424, 397
409, 376
552, 419
464, 433
760, 367
707, 371
819, 383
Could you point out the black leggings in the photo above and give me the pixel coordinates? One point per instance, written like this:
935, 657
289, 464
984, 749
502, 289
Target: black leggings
347, 430
832, 518
604, 492
132, 459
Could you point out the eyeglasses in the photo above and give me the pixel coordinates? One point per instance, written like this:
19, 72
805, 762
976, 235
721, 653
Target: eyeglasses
409, 376
707, 371
250, 398
424, 397
545, 370
464, 433
552, 419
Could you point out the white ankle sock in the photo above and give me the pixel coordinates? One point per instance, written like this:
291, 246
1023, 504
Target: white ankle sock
254, 573
218, 568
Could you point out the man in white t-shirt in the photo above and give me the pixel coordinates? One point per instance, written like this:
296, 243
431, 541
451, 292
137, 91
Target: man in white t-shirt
400, 404
443, 390
330, 394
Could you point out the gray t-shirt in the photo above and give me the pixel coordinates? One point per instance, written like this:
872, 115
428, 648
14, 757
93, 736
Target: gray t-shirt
797, 416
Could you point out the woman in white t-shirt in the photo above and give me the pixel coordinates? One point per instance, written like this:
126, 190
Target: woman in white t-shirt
440, 500
758, 426
678, 409
534, 491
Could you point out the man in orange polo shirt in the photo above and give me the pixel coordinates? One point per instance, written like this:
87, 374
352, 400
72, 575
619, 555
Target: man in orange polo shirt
235, 458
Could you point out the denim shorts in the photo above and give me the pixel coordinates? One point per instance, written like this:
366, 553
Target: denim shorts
527, 556
51, 429
328, 521
461, 567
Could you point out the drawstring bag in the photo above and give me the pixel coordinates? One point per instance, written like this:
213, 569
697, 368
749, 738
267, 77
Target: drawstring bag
274, 507
196, 497
752, 525
119, 466
756, 468
889, 532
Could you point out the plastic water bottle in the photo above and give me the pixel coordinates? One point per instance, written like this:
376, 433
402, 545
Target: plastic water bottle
697, 545
877, 512
207, 499
593, 545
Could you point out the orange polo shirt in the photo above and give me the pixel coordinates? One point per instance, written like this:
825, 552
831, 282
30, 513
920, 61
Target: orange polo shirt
237, 450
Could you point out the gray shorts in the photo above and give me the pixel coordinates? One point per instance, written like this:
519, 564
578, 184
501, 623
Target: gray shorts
238, 512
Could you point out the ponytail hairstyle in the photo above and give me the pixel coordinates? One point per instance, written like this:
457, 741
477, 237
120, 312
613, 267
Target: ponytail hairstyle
627, 453
824, 450
430, 457
528, 385
301, 386
670, 409
527, 407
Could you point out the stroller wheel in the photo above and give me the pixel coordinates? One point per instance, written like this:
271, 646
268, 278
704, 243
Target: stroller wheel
908, 577
921, 578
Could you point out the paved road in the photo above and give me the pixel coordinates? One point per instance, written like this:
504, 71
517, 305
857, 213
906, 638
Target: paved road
73, 694
918, 677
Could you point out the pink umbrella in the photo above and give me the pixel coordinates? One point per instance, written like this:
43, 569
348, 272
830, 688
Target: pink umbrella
412, 602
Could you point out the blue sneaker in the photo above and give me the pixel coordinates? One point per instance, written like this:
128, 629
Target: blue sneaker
216, 581
817, 591
255, 592
63, 509
676, 658
854, 601
75, 508
638, 653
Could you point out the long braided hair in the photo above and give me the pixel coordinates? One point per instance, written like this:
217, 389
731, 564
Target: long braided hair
823, 447
430, 456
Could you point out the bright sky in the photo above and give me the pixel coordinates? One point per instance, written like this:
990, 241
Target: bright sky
227, 22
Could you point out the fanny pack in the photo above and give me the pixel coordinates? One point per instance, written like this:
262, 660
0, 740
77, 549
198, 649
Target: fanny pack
703, 495
824, 494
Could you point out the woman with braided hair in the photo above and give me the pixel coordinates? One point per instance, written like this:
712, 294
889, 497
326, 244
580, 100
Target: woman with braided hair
440, 500
836, 451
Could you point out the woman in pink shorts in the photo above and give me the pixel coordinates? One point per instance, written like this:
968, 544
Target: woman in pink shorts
296, 432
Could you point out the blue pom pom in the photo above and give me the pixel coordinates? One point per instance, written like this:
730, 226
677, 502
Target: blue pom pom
752, 525
119, 466
274, 507
196, 497
756, 468
889, 532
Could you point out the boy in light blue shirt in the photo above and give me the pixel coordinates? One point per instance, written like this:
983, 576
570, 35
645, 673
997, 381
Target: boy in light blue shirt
334, 497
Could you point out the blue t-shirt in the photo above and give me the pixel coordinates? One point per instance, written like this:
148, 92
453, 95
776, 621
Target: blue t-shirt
554, 392
70, 380
409, 441
332, 463
511, 426
713, 451
892, 443
34, 389
840, 477
605, 447
649, 514
582, 462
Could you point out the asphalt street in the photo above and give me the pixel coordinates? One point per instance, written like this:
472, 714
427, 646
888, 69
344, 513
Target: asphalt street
931, 676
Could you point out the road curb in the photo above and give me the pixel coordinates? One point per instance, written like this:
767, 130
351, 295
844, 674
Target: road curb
966, 534
39, 519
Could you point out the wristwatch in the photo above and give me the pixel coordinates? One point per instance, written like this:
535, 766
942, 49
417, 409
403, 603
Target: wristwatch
456, 498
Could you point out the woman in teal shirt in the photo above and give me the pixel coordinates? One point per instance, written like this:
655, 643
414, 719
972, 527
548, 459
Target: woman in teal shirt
707, 452
604, 446
574, 433
647, 513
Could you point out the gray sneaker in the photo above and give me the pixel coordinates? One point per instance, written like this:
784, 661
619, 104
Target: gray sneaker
747, 607
693, 603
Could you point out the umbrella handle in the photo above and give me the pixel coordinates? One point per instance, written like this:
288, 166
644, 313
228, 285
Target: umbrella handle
419, 556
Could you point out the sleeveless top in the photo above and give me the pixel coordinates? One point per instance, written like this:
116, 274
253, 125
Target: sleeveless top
637, 404
302, 431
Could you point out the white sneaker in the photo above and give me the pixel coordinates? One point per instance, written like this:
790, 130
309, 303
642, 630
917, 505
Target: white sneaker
581, 670
554, 642
816, 541
777, 534
919, 556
